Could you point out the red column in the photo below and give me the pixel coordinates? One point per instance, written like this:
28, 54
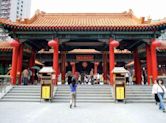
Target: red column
112, 45
73, 67
63, 70
105, 66
15, 44
154, 58
137, 67
19, 63
95, 67
54, 43
148, 63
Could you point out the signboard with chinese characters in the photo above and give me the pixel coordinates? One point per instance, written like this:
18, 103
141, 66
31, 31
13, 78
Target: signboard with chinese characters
84, 58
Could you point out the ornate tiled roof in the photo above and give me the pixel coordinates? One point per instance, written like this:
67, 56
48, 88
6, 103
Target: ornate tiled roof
125, 21
5, 46
163, 46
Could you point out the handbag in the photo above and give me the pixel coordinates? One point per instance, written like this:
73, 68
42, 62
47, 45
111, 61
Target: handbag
156, 98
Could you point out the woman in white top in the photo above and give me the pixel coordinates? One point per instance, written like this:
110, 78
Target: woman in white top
160, 92
154, 92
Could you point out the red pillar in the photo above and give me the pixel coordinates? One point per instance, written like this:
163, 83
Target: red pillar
137, 67
63, 66
148, 63
95, 67
112, 45
105, 66
54, 43
154, 58
15, 44
73, 67
19, 62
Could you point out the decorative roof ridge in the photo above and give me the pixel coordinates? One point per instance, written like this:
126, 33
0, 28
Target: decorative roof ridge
125, 13
31, 20
85, 14
5, 45
4, 20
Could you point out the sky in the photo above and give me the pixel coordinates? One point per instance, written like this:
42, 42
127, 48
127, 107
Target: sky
155, 9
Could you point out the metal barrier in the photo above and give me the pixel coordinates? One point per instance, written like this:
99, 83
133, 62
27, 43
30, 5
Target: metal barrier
4, 82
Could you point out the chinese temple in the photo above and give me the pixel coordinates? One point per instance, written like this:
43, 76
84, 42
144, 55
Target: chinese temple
75, 41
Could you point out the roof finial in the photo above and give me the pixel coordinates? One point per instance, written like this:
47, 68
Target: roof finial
149, 19
130, 11
37, 12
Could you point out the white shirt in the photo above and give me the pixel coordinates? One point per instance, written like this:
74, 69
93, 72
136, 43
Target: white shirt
154, 88
160, 90
127, 74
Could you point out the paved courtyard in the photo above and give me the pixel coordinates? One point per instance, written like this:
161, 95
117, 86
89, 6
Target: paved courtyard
85, 113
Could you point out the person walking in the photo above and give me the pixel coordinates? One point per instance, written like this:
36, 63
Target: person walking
25, 75
154, 92
73, 87
144, 74
69, 79
160, 92
127, 77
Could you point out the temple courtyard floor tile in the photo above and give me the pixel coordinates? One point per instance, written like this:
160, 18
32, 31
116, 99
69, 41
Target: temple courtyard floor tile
17, 112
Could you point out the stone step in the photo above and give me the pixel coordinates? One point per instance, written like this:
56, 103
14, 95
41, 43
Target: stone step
85, 89
24, 91
22, 94
87, 86
19, 100
88, 95
140, 98
22, 97
138, 89
85, 101
27, 88
78, 92
85, 93
137, 92
138, 95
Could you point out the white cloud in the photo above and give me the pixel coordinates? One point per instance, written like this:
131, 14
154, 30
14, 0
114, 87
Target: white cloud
156, 9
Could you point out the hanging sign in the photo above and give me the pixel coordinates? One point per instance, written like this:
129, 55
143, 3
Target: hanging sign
84, 58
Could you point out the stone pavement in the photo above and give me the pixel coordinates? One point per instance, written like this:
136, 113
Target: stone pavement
85, 113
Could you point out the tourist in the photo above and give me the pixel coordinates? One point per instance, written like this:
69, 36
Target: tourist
25, 75
154, 92
91, 76
86, 79
30, 73
127, 77
69, 79
73, 87
98, 78
36, 78
160, 92
144, 74
79, 79
82, 78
